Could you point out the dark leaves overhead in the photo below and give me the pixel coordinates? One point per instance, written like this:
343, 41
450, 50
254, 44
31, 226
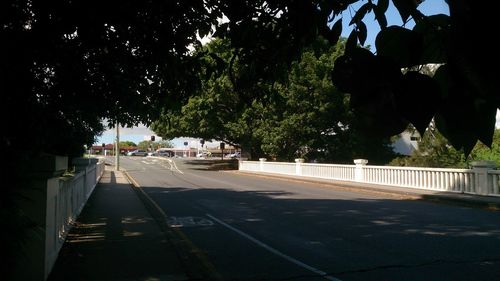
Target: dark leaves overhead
418, 99
76, 62
464, 117
373, 82
406, 8
404, 46
132, 59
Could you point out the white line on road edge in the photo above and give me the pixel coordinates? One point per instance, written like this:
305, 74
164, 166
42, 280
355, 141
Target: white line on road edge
173, 165
274, 251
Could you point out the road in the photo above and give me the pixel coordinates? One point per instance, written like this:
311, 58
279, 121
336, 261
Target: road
259, 228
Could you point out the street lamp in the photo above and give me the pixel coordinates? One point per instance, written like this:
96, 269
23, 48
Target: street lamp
117, 147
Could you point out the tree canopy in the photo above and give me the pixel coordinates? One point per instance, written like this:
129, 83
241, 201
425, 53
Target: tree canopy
69, 64
462, 96
435, 151
300, 115
66, 65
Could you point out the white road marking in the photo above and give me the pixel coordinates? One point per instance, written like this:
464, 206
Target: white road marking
274, 251
188, 221
173, 166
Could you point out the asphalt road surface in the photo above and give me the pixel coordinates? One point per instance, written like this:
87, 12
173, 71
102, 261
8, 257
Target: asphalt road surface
259, 228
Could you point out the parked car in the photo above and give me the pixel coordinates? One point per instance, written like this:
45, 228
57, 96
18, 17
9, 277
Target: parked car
235, 155
204, 154
164, 152
137, 152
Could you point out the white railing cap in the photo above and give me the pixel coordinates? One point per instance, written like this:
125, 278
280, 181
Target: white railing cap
361, 161
483, 164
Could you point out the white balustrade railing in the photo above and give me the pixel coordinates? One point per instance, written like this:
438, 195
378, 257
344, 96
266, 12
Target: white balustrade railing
253, 166
280, 167
72, 195
494, 182
459, 180
327, 171
482, 179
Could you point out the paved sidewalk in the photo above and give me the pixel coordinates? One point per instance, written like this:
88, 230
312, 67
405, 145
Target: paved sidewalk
116, 238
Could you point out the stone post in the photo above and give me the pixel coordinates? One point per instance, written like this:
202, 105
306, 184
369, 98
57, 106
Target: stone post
262, 160
81, 163
359, 174
481, 180
298, 166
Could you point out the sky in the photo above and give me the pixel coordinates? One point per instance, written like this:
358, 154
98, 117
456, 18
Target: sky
428, 7
141, 133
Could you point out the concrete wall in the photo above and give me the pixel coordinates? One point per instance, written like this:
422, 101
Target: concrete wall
52, 202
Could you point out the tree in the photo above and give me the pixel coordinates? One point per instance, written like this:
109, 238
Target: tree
482, 152
127, 143
310, 118
66, 65
164, 144
434, 150
219, 110
462, 96
280, 119
146, 145
71, 64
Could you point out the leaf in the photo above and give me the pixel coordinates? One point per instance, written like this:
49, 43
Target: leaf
205, 30
361, 32
380, 17
406, 7
456, 118
336, 31
418, 99
360, 14
352, 67
352, 41
435, 31
222, 30
401, 44
486, 120
382, 5
464, 139
463, 117
380, 118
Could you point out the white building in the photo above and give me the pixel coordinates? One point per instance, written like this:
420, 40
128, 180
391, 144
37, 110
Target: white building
407, 142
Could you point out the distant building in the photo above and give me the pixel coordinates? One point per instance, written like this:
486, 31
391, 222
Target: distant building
406, 143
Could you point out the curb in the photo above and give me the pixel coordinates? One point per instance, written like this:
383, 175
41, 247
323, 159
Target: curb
194, 261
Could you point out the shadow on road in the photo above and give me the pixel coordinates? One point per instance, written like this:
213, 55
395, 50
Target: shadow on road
213, 164
354, 239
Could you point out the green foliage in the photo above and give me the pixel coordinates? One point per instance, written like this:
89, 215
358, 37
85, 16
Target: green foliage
301, 115
464, 93
65, 66
127, 143
164, 144
146, 145
482, 152
434, 150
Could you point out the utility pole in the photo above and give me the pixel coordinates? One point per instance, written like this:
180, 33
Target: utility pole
117, 147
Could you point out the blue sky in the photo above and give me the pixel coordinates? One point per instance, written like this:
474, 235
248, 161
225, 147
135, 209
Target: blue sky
428, 7
138, 134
